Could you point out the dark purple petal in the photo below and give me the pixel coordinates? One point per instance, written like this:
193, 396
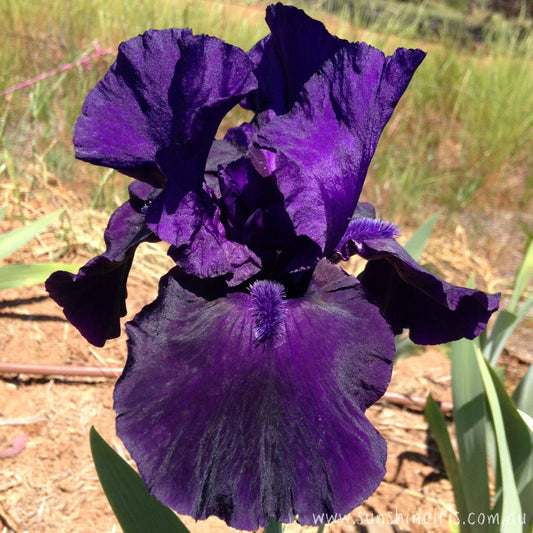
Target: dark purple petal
223, 152
225, 77
93, 300
166, 87
295, 49
183, 210
412, 297
324, 145
254, 209
364, 210
232, 261
187, 217
247, 406
254, 214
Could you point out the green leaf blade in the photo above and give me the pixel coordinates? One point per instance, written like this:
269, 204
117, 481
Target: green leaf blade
522, 278
503, 327
523, 394
14, 276
510, 450
469, 415
437, 426
13, 240
135, 508
416, 244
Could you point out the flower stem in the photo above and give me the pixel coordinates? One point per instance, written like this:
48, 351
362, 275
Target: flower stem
273, 526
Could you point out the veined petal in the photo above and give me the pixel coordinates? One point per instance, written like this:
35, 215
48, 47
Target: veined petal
220, 258
295, 49
94, 299
246, 406
166, 87
324, 144
412, 297
255, 215
253, 205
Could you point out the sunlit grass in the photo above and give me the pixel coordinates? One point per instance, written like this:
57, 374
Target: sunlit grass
460, 137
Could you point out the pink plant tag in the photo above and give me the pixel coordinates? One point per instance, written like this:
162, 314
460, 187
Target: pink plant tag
15, 446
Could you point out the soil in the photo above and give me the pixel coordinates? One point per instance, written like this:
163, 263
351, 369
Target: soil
51, 485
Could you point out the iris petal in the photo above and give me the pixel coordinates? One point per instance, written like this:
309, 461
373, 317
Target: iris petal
93, 300
222, 422
166, 87
222, 76
412, 297
295, 49
253, 206
324, 144
188, 217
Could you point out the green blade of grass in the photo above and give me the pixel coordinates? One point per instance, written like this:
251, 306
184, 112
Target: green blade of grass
135, 508
13, 276
10, 166
15, 239
100, 188
416, 244
522, 278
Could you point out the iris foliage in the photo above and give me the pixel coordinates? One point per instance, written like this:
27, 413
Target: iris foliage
22, 274
493, 429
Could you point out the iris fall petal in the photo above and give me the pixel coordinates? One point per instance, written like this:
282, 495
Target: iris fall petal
411, 297
93, 300
221, 421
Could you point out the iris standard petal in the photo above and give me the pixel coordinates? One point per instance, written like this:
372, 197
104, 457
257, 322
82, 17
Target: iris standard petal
254, 214
295, 49
411, 297
324, 145
166, 86
253, 205
246, 406
93, 300
209, 80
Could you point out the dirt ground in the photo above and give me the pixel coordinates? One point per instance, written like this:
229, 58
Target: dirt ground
51, 484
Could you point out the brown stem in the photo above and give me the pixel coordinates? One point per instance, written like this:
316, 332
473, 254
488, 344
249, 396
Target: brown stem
412, 402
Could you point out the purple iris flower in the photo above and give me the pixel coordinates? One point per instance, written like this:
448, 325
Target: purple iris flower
247, 379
